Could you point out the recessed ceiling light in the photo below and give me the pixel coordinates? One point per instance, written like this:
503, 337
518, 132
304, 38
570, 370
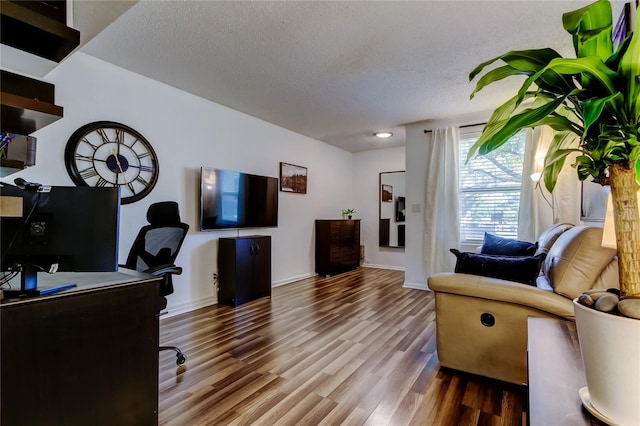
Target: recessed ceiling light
383, 135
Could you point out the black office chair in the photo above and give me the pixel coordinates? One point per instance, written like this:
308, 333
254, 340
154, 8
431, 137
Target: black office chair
155, 250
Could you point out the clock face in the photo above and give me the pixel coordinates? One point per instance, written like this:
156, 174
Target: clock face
105, 153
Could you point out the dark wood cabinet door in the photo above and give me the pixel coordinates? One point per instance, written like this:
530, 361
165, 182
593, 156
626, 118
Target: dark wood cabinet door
261, 267
337, 246
244, 268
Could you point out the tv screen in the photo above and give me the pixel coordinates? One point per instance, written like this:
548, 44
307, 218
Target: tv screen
230, 199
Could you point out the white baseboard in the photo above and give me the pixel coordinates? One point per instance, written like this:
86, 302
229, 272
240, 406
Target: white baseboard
208, 301
187, 307
292, 279
373, 265
416, 286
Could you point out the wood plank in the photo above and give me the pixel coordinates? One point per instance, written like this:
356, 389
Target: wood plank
357, 348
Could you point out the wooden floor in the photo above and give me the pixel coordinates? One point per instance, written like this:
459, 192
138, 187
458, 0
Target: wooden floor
354, 349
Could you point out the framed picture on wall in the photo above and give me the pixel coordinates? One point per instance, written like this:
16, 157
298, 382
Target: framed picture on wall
387, 193
293, 178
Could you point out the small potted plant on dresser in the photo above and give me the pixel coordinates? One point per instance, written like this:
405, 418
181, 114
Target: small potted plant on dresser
592, 102
348, 213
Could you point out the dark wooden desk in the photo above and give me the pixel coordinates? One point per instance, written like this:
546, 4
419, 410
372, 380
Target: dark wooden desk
556, 373
85, 356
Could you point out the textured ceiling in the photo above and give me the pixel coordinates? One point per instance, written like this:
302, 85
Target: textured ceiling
335, 71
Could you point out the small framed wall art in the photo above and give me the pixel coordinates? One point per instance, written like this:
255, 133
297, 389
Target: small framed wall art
293, 178
387, 193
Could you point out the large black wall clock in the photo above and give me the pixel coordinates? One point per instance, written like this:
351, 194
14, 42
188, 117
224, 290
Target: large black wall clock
105, 153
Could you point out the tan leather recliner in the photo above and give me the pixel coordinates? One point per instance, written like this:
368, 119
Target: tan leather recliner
482, 322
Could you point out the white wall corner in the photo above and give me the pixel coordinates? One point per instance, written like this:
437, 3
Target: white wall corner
416, 286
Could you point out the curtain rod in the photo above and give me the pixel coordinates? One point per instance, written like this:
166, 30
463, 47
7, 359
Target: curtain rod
462, 127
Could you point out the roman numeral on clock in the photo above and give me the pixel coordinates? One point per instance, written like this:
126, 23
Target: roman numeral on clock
88, 173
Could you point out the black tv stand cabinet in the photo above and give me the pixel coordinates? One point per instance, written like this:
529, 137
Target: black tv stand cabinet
244, 269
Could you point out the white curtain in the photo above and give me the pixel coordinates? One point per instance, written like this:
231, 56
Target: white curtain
567, 194
536, 204
538, 208
441, 211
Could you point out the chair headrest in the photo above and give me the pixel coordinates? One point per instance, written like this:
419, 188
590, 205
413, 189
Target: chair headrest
549, 236
164, 213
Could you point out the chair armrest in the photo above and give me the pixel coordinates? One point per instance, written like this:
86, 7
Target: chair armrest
502, 291
167, 268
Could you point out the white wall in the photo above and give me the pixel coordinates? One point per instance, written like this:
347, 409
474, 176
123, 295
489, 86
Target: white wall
188, 132
367, 166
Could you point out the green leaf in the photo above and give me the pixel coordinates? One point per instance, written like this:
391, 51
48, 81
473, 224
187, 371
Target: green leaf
530, 60
550, 174
535, 60
495, 75
635, 154
591, 28
477, 70
523, 60
501, 126
560, 123
592, 109
495, 122
556, 156
592, 66
553, 82
585, 166
527, 118
614, 61
630, 70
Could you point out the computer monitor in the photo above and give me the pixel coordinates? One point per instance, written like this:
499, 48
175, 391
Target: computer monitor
71, 229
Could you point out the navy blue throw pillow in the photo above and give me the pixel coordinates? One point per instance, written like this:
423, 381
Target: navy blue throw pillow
521, 269
496, 245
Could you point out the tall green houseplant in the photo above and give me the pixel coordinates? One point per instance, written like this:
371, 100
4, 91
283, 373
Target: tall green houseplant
592, 102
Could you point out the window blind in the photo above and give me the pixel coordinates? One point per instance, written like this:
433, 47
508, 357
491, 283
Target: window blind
490, 189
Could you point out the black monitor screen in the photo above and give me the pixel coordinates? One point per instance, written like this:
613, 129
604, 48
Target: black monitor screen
74, 228
230, 199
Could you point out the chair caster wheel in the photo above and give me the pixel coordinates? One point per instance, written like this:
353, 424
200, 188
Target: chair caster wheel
180, 359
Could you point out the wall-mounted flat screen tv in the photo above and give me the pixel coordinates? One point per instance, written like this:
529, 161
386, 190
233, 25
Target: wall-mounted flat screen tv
230, 199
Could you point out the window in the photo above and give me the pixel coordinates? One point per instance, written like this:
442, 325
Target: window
490, 188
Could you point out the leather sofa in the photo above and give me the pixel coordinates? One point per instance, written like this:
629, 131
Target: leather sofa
482, 322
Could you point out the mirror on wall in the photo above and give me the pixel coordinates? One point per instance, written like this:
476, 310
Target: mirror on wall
392, 202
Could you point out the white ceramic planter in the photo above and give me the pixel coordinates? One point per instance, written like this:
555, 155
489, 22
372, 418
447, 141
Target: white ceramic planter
610, 348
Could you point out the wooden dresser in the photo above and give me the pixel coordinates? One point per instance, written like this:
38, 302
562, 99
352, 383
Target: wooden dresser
337, 246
